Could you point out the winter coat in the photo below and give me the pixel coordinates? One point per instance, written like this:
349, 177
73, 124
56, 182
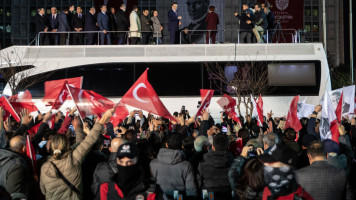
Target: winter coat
213, 171
173, 172
299, 192
103, 173
135, 25
156, 26
145, 23
16, 175
322, 181
122, 22
52, 186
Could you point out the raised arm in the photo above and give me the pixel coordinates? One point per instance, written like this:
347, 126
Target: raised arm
84, 147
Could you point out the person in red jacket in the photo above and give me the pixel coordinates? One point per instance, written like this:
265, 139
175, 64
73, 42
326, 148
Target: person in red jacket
212, 21
279, 175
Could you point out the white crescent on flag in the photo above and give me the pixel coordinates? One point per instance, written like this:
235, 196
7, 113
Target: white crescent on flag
134, 92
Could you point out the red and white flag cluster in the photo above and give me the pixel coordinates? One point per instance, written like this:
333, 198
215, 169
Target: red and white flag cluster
258, 110
228, 104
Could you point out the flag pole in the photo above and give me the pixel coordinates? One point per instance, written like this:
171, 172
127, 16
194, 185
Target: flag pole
342, 104
74, 102
29, 146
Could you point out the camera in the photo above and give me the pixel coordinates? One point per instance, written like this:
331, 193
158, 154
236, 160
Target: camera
252, 152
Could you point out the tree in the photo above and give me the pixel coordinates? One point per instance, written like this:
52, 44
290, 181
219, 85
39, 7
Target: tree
18, 70
251, 78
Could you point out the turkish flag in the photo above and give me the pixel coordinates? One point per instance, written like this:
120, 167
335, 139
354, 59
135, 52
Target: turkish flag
228, 104
22, 101
89, 102
30, 152
34, 129
9, 110
52, 121
206, 98
142, 96
61, 97
338, 110
292, 117
119, 115
258, 110
54, 88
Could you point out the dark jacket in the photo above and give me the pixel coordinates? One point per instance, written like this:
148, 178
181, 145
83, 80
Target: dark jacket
90, 22
145, 23
103, 21
112, 21
259, 19
213, 171
270, 20
322, 181
41, 23
212, 20
311, 128
63, 24
137, 190
122, 22
173, 21
78, 22
243, 25
88, 167
16, 174
103, 173
53, 22
173, 172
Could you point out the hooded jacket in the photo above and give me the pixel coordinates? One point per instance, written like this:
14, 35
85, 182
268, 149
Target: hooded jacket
173, 172
16, 175
52, 186
213, 171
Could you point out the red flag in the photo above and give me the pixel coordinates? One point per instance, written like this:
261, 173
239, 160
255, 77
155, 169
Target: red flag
338, 110
228, 104
9, 110
120, 114
142, 96
206, 98
257, 110
54, 88
30, 152
61, 98
34, 129
292, 118
52, 121
22, 101
89, 102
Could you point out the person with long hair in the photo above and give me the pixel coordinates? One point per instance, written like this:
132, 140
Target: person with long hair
61, 175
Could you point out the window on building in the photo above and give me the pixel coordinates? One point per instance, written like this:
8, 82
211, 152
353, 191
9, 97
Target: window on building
315, 28
307, 28
315, 11
307, 11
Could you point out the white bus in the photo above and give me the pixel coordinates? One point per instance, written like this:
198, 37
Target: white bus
178, 72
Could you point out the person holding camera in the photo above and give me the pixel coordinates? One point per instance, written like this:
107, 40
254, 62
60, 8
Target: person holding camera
245, 24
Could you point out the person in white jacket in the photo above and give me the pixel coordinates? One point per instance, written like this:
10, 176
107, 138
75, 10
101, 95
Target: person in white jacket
135, 26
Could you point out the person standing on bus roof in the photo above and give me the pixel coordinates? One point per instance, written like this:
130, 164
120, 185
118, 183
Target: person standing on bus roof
212, 20
174, 23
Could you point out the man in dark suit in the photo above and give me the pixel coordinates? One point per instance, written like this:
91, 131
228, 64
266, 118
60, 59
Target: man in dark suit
78, 23
112, 23
63, 26
70, 14
212, 20
174, 23
90, 25
321, 180
146, 27
122, 23
53, 21
270, 21
103, 22
41, 25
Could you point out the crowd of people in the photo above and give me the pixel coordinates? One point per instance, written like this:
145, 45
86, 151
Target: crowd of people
67, 26
149, 157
